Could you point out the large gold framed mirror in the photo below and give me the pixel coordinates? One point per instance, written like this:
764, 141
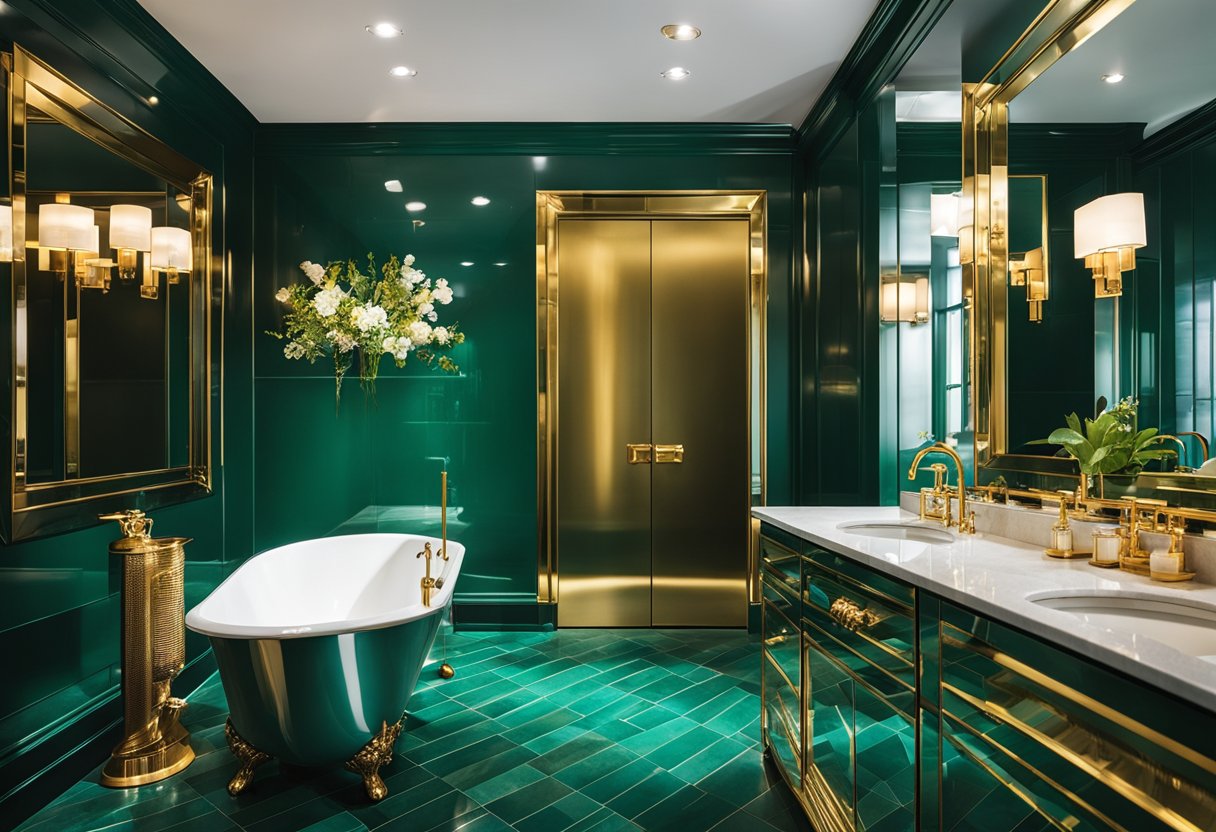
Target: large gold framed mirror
1128, 299
110, 312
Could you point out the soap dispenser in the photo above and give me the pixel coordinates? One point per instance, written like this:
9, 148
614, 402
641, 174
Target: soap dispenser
1061, 533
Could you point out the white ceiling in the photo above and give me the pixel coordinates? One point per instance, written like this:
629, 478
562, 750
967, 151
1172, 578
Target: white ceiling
519, 60
1163, 47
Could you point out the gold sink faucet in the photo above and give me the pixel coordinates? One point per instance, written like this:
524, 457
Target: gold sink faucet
966, 522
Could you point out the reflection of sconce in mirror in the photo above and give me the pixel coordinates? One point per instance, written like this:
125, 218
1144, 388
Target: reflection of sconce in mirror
966, 228
92, 270
130, 234
171, 254
6, 233
63, 229
905, 301
1107, 232
1030, 271
944, 210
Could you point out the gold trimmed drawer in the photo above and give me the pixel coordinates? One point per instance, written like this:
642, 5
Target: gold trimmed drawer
867, 621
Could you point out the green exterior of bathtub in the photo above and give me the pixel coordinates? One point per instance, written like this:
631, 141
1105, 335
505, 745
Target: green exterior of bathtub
299, 701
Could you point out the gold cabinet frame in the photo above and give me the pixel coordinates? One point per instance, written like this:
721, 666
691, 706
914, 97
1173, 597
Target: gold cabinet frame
1060, 27
36, 509
550, 207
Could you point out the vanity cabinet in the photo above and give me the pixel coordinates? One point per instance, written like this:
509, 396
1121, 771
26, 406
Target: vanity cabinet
888, 708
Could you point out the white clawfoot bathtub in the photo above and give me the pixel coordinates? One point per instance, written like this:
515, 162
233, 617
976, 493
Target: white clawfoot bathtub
320, 643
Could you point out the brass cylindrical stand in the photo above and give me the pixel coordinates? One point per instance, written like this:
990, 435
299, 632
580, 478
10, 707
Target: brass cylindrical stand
155, 745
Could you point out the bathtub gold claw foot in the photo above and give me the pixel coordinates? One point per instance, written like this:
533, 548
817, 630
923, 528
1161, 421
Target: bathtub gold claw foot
249, 757
378, 752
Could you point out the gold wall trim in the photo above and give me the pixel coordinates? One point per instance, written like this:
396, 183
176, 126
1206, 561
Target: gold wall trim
1060, 27
551, 206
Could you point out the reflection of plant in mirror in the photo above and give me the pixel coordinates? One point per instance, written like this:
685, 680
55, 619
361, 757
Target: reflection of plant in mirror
1110, 444
342, 311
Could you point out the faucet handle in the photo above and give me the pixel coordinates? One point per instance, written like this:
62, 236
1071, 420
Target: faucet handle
966, 525
426, 551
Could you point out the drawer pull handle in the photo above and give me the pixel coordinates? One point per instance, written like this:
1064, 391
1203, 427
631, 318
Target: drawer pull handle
847, 614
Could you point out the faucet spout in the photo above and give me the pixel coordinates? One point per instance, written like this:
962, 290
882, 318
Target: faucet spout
966, 522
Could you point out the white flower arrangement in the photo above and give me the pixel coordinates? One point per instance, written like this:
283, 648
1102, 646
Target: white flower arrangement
388, 311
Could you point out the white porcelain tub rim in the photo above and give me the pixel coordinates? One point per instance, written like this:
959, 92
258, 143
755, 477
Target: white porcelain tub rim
199, 621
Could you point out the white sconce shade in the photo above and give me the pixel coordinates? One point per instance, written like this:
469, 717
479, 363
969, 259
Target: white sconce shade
905, 301
1109, 223
65, 226
171, 250
6, 233
130, 227
943, 215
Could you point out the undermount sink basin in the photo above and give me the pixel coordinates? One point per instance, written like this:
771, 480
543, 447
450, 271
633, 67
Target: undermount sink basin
1187, 628
899, 531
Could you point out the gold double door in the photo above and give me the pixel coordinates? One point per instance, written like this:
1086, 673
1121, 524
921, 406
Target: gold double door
653, 482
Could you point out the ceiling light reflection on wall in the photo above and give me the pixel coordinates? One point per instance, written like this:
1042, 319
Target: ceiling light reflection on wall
680, 31
1113, 77
393, 186
466, 262
402, 72
384, 30
415, 205
130, 234
500, 264
480, 200
676, 73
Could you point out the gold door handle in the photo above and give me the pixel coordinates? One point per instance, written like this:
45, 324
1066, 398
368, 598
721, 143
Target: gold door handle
668, 453
849, 615
638, 453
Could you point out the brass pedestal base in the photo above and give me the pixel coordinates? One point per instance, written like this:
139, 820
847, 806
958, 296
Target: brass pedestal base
378, 752
446, 671
249, 757
137, 762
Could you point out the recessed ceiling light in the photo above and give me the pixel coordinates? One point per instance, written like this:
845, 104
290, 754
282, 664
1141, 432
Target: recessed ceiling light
402, 72
153, 100
384, 30
415, 205
1113, 78
466, 262
393, 186
480, 200
680, 31
676, 73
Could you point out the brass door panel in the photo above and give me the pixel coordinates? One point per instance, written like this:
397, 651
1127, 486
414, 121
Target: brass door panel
603, 502
699, 293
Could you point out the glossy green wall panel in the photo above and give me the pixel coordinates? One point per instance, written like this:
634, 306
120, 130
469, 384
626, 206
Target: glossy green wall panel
59, 622
370, 466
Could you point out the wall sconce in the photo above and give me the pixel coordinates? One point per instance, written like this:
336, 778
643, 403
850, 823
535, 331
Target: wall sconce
130, 234
6, 233
172, 253
1030, 271
1107, 232
904, 301
63, 228
944, 215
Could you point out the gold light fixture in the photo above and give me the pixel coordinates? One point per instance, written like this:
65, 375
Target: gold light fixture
130, 234
171, 254
63, 229
1030, 270
680, 31
1106, 233
904, 301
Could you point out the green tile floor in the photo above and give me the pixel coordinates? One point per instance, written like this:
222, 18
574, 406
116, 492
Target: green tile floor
579, 730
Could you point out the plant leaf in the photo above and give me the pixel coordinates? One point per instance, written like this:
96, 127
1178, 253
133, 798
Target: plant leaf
1066, 436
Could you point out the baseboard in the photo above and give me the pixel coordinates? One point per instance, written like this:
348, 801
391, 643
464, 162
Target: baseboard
51, 765
508, 612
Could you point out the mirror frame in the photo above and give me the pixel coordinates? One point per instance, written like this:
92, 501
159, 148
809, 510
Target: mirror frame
39, 509
1060, 27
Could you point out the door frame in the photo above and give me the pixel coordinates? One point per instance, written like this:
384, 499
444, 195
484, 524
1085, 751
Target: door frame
552, 206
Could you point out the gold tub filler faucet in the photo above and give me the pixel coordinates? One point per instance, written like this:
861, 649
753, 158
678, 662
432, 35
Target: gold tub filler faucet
154, 745
430, 584
935, 503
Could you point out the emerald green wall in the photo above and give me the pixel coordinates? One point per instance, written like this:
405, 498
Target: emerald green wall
370, 464
59, 611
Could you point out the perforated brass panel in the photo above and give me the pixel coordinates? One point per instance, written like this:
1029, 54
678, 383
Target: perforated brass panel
603, 502
699, 291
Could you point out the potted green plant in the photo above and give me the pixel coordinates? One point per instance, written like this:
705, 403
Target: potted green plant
1111, 444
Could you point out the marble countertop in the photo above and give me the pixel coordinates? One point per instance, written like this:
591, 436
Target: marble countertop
1001, 578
